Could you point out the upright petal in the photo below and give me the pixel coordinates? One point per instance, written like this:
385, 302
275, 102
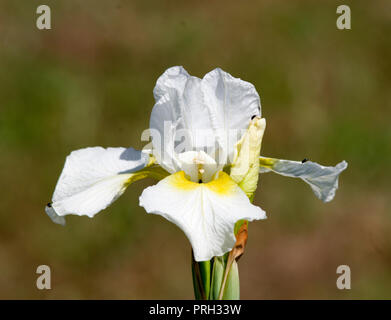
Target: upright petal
180, 117
171, 82
232, 103
206, 212
322, 180
92, 179
191, 114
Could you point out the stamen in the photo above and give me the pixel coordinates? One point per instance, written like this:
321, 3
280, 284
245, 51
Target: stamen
200, 163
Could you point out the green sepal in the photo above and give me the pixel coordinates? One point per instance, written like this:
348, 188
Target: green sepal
232, 286
217, 277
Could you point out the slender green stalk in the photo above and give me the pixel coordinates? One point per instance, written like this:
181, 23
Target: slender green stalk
201, 272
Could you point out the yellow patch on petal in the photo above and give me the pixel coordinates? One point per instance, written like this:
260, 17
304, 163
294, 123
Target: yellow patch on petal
267, 162
153, 171
223, 185
179, 181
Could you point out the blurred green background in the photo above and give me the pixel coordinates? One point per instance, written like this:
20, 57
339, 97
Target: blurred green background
88, 81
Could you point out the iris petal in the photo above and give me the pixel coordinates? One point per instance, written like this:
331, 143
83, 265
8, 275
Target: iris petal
206, 212
322, 180
92, 179
192, 114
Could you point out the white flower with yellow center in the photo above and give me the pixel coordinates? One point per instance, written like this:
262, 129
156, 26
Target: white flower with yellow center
206, 141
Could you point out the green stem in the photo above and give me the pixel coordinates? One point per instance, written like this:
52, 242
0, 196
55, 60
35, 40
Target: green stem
201, 272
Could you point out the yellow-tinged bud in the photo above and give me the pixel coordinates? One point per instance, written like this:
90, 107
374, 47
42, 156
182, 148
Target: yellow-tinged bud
245, 167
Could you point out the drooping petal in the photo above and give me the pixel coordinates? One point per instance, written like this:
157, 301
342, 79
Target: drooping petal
322, 180
206, 212
92, 179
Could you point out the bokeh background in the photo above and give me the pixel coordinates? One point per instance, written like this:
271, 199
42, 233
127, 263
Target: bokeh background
88, 82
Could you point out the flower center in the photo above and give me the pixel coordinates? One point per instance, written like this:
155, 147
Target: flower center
198, 166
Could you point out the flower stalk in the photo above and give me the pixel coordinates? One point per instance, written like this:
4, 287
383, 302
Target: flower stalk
218, 279
201, 272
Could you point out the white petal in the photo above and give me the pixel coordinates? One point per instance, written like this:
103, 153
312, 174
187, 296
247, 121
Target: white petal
232, 102
53, 215
322, 180
92, 179
172, 81
206, 212
191, 114
180, 116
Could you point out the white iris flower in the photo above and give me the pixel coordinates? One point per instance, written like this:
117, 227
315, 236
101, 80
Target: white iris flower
206, 140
